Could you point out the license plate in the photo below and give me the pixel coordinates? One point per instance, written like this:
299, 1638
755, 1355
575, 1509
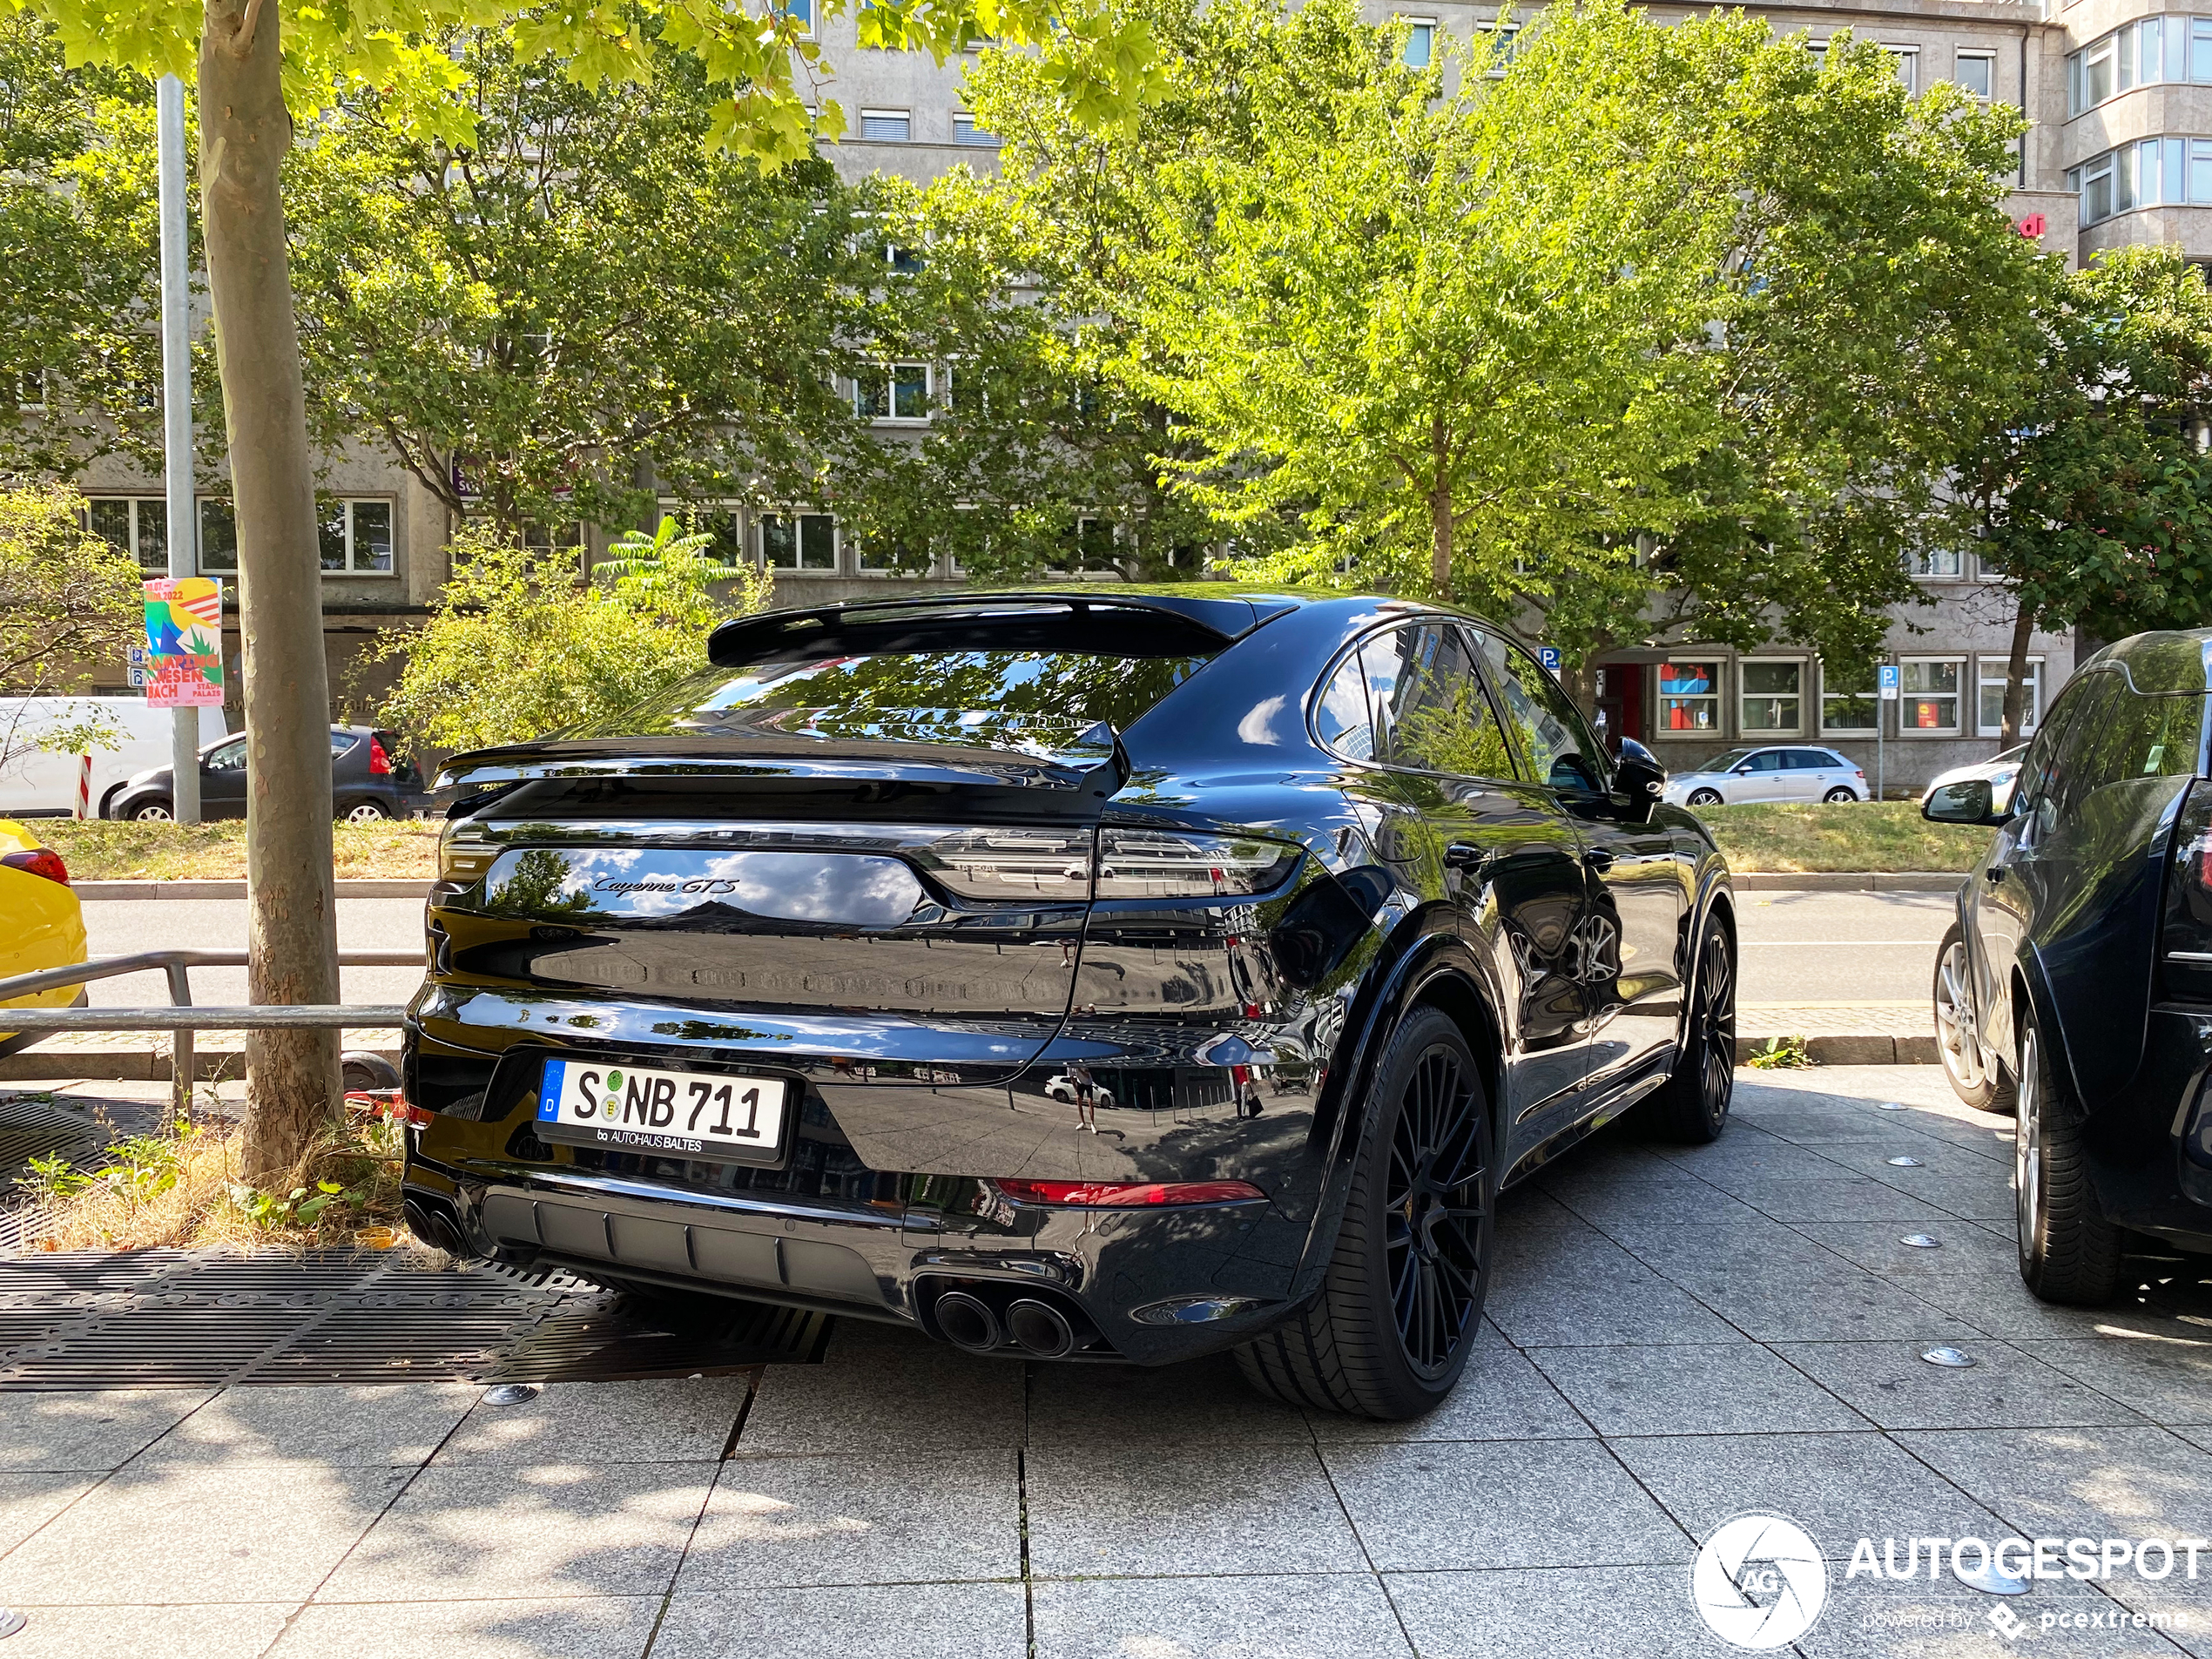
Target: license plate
638, 1108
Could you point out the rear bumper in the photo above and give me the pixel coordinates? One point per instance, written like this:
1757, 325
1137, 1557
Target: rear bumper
2150, 1147
885, 1201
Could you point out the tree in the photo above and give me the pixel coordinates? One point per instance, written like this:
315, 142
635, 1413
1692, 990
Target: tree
1661, 331
577, 305
249, 58
80, 370
67, 600
518, 646
2096, 491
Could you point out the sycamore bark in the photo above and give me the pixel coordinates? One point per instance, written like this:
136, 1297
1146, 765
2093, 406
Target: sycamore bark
291, 1076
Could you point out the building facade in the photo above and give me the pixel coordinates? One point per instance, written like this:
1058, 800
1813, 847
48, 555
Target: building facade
2119, 96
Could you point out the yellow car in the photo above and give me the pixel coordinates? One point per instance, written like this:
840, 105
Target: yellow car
41, 923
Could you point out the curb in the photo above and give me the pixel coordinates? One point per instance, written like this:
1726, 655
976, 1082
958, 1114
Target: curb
348, 887
1848, 881
1849, 1050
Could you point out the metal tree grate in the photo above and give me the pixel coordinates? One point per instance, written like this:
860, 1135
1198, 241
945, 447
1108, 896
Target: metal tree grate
176, 1318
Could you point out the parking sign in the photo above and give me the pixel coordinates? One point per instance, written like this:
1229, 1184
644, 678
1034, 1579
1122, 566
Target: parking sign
1548, 656
1887, 679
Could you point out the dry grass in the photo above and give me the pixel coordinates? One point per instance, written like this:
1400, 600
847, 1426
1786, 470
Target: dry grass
100, 850
1852, 835
182, 1187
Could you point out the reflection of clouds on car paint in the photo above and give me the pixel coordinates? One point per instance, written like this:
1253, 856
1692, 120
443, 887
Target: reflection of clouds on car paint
1253, 728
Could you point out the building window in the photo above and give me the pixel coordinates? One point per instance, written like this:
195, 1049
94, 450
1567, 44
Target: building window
722, 524
218, 536
1508, 38
1928, 688
886, 555
138, 525
1087, 548
1938, 564
356, 536
896, 392
1770, 699
30, 390
1977, 73
799, 541
2139, 54
1421, 42
1690, 697
1847, 699
966, 131
801, 13
1991, 673
886, 126
905, 261
566, 537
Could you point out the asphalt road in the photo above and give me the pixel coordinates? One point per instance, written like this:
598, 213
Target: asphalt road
1798, 947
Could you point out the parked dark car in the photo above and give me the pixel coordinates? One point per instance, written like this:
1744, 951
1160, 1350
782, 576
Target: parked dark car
371, 778
2075, 987
1113, 974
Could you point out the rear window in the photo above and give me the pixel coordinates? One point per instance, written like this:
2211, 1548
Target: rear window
1028, 698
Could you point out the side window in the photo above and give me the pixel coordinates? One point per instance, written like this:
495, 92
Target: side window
2047, 766
341, 745
1560, 748
2136, 736
1767, 761
1433, 715
229, 757
1340, 717
1810, 760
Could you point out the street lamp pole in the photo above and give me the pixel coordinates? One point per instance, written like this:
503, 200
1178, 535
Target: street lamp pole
176, 412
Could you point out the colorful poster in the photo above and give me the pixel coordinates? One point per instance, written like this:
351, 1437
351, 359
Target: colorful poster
184, 667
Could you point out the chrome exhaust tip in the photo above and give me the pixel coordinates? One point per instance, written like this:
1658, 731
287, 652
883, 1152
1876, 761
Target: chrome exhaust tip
967, 1322
1041, 1328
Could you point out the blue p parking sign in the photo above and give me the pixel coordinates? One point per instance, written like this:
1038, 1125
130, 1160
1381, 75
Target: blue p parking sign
1887, 679
1548, 656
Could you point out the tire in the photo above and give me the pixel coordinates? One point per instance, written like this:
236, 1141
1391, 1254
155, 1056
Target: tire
1396, 1316
1966, 1062
154, 809
1704, 798
1692, 1105
2069, 1252
365, 812
1839, 794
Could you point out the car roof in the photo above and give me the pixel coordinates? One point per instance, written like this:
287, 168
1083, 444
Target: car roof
2167, 662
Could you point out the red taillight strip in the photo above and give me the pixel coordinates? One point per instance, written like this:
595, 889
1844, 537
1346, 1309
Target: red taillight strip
38, 860
1129, 1194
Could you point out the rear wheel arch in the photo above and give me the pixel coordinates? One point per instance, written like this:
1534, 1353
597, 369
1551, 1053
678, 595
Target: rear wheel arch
1455, 996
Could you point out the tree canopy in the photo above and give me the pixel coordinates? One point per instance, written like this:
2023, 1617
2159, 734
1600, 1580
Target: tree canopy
1662, 331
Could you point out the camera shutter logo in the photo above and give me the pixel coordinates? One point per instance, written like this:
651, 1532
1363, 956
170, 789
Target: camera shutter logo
1759, 1581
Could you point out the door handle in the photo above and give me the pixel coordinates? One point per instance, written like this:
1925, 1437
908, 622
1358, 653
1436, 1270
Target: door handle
1599, 860
1465, 855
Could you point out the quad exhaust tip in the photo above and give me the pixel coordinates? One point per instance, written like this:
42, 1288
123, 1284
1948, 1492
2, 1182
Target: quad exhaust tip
1041, 1328
967, 1322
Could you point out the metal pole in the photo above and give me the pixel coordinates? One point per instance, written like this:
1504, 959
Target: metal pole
176, 409
1881, 724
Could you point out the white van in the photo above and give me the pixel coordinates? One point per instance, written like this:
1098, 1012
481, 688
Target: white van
38, 783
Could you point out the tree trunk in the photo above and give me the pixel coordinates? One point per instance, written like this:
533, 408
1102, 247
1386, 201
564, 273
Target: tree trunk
291, 1076
2016, 677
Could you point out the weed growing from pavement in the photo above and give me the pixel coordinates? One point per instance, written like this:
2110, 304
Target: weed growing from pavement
1781, 1054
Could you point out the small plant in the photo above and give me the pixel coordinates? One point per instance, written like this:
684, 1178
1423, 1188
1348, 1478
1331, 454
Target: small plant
1781, 1054
296, 1208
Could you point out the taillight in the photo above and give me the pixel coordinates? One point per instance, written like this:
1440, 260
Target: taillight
1013, 864
42, 860
380, 764
1169, 864
2185, 930
1128, 1195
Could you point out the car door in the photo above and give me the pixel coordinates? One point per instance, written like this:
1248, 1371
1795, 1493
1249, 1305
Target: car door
2002, 894
1811, 773
1498, 850
222, 780
1635, 873
1759, 776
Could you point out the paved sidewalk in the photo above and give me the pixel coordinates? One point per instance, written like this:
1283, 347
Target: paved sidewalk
1676, 1336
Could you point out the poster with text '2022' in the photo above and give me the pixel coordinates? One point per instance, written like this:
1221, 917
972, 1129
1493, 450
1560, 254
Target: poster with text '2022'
185, 642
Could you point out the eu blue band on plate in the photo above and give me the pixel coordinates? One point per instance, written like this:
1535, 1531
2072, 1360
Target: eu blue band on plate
549, 1092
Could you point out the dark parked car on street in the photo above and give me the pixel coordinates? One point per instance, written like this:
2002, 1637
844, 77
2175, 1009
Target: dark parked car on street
371, 778
1117, 974
2075, 987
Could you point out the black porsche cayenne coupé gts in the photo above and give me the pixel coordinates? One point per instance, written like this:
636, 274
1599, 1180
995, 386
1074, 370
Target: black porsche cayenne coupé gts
1103, 973
2075, 987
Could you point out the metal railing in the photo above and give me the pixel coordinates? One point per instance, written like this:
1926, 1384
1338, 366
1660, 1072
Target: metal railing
183, 1018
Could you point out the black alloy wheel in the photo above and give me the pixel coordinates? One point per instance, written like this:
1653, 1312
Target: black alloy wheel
1692, 1105
2069, 1251
1391, 1330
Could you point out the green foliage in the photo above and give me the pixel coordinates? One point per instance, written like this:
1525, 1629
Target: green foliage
79, 259
2098, 493
1670, 332
67, 598
298, 1208
519, 645
137, 1169
577, 305
1781, 1054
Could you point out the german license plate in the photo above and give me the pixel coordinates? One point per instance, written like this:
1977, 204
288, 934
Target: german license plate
638, 1108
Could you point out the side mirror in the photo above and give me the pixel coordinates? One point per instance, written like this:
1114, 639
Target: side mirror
1743, 771
1967, 802
1638, 779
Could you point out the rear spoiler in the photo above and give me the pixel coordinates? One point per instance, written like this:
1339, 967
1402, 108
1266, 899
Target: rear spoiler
1128, 624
